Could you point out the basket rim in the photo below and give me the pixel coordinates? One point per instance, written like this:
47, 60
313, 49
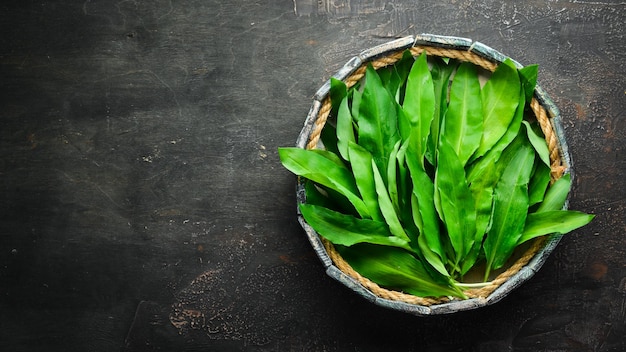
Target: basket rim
547, 115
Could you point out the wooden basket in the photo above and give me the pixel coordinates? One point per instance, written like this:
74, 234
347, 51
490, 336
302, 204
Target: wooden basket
527, 262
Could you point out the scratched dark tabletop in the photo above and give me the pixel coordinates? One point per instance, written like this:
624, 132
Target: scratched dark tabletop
143, 206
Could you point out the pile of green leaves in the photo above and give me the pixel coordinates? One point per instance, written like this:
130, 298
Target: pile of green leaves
426, 174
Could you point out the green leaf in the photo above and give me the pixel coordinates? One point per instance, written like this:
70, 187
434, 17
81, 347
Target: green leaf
404, 194
394, 84
510, 208
356, 104
500, 98
326, 169
397, 269
404, 124
386, 206
341, 202
441, 72
419, 103
338, 91
538, 184
554, 221
482, 181
472, 256
361, 162
392, 177
458, 208
329, 138
422, 202
315, 196
556, 195
345, 129
385, 74
480, 170
431, 257
377, 122
528, 77
511, 133
463, 122
538, 142
394, 77
348, 230
402, 68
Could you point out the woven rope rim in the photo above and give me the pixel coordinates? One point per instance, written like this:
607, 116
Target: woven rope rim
556, 165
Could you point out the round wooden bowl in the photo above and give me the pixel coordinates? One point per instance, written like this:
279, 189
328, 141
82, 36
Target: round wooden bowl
525, 263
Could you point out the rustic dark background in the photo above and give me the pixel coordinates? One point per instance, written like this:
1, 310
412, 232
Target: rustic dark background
143, 206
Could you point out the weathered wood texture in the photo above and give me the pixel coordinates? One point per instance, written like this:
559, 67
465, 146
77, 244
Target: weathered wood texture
144, 206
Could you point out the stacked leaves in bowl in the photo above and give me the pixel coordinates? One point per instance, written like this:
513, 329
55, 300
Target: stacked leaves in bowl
433, 175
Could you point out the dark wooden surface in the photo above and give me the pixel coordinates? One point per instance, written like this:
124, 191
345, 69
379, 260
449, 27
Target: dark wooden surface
143, 206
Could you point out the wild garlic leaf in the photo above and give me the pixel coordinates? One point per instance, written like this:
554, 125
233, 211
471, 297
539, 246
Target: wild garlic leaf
338, 91
423, 202
405, 127
510, 134
396, 75
556, 195
348, 230
554, 221
398, 269
386, 206
482, 187
315, 196
472, 257
441, 72
325, 168
328, 136
528, 77
463, 122
403, 67
392, 177
500, 98
419, 103
345, 130
430, 257
482, 181
377, 122
538, 184
510, 208
458, 208
538, 142
404, 192
394, 84
385, 76
356, 95
404, 124
361, 162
